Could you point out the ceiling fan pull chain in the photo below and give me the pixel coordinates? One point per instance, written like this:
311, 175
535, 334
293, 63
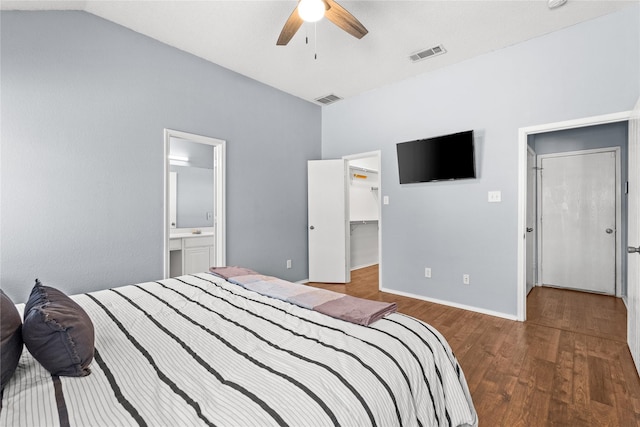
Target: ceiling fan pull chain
315, 40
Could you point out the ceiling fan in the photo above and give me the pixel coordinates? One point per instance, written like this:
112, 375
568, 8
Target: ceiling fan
314, 10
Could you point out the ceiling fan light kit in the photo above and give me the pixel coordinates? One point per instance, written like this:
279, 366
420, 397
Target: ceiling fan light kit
552, 4
311, 10
328, 8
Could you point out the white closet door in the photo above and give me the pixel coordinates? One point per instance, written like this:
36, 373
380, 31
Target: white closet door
328, 207
579, 221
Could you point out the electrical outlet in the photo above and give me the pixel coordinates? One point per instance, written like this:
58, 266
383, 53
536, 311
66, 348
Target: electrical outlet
465, 279
288, 263
427, 272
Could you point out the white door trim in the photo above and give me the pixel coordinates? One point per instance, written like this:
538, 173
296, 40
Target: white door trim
535, 236
618, 196
220, 227
633, 235
523, 134
378, 154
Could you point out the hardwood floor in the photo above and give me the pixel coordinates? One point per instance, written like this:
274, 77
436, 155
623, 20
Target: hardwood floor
567, 365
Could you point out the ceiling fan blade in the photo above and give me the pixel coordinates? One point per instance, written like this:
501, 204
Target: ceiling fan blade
290, 27
345, 20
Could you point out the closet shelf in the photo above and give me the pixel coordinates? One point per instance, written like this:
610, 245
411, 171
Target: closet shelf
358, 168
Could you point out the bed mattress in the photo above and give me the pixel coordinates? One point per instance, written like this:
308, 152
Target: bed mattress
198, 350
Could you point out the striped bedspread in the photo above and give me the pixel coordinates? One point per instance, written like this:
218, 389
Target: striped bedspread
197, 350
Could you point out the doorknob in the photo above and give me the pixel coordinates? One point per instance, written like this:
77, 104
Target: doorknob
312, 228
609, 231
529, 229
633, 250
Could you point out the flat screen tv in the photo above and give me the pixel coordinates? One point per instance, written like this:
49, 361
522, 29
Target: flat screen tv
441, 158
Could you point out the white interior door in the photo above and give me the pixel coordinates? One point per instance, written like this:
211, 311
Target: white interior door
578, 217
531, 219
329, 251
633, 234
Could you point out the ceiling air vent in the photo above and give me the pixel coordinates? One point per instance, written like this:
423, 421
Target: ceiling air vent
329, 99
427, 53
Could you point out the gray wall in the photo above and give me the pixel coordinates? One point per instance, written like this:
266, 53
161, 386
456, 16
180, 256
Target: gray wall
84, 105
585, 70
588, 138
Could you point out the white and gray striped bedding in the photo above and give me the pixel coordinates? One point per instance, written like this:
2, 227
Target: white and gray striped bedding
197, 350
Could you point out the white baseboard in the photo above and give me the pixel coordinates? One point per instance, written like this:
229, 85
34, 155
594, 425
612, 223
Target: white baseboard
451, 304
441, 302
358, 267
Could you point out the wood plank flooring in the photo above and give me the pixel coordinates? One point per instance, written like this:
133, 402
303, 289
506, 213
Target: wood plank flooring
567, 365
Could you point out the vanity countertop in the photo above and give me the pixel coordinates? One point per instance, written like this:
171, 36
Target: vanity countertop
183, 235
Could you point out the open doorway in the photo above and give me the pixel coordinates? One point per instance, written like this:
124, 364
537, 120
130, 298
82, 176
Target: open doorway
194, 206
344, 211
524, 136
364, 209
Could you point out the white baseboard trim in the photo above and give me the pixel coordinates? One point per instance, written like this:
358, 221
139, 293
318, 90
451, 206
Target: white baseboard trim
451, 304
358, 267
303, 281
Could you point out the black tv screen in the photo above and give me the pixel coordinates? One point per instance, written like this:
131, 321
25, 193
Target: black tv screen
444, 157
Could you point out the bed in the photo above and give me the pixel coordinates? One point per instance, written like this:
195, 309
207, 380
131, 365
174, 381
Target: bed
200, 350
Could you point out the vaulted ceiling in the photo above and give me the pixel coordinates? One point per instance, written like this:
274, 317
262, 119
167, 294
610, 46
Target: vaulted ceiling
241, 35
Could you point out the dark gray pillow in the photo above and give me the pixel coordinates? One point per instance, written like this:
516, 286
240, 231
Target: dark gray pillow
58, 332
10, 338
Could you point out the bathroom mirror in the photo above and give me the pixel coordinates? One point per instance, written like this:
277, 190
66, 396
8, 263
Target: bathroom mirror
192, 184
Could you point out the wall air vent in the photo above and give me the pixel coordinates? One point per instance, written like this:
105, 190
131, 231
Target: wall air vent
427, 53
329, 99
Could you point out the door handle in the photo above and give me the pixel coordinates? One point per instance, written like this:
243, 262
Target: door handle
312, 228
633, 250
529, 229
609, 231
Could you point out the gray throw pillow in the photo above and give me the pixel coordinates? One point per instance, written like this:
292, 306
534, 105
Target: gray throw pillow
10, 338
58, 332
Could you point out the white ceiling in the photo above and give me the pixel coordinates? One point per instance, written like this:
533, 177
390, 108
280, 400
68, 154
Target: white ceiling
241, 35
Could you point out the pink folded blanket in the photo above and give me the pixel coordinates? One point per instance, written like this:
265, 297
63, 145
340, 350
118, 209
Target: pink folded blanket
356, 310
227, 272
345, 307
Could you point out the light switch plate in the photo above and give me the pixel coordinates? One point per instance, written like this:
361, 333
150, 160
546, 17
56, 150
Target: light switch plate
495, 196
